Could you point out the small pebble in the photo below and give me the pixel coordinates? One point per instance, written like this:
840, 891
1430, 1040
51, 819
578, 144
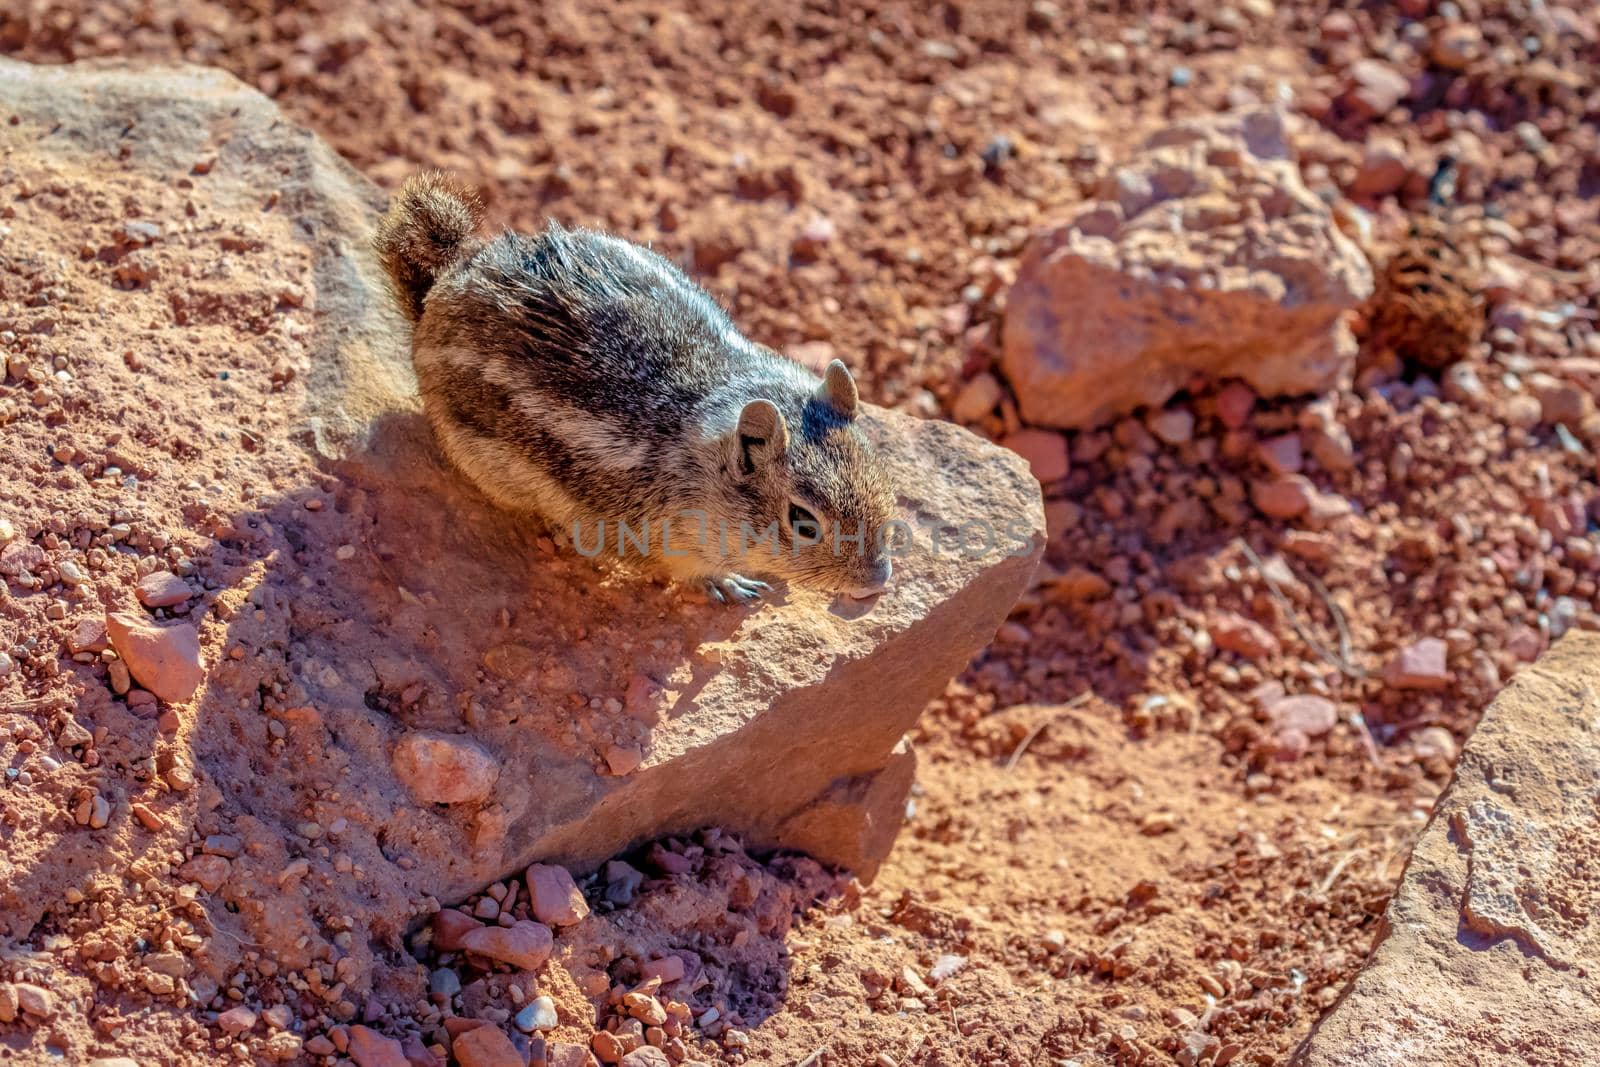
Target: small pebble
623, 759
1156, 823
1045, 451
539, 1015
1175, 426
35, 1000
646, 1009
553, 895
444, 982
162, 589
977, 398
237, 1020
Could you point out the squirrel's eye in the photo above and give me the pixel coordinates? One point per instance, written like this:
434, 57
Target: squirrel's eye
803, 522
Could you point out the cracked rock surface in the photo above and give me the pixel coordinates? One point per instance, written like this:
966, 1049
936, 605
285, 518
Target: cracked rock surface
1490, 951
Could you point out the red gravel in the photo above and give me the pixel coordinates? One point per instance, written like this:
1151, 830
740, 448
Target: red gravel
1167, 871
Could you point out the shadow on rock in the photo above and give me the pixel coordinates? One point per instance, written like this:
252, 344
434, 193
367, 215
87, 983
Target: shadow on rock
387, 602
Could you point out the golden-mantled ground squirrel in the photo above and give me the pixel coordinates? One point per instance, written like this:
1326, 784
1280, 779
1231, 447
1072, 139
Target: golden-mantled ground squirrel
586, 379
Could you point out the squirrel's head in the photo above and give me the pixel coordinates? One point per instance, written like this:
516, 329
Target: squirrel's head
812, 497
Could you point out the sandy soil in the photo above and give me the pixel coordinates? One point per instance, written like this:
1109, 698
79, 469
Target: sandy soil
1155, 873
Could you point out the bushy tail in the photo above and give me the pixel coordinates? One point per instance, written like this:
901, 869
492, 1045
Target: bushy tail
429, 227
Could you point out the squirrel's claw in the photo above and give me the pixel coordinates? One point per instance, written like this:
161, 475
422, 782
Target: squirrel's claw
735, 588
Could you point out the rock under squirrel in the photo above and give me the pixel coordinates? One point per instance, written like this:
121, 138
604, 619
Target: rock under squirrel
361, 602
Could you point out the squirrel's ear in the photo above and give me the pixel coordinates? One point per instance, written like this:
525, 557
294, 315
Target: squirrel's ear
762, 435
839, 390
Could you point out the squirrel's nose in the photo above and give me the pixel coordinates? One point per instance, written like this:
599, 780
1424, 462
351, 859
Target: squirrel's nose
877, 581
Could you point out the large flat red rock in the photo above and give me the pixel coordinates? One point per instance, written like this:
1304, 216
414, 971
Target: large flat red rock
365, 606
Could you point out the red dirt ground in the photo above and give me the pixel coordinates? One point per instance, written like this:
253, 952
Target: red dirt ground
1152, 874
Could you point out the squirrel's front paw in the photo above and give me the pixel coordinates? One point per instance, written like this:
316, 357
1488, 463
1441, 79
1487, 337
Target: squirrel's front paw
735, 588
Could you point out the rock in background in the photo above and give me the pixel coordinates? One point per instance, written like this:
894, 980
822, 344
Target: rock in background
1490, 941
1204, 255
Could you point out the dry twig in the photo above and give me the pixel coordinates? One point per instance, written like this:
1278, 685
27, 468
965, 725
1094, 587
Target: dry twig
1033, 734
1339, 660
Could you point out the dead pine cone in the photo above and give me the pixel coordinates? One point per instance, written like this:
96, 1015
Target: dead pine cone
1427, 311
